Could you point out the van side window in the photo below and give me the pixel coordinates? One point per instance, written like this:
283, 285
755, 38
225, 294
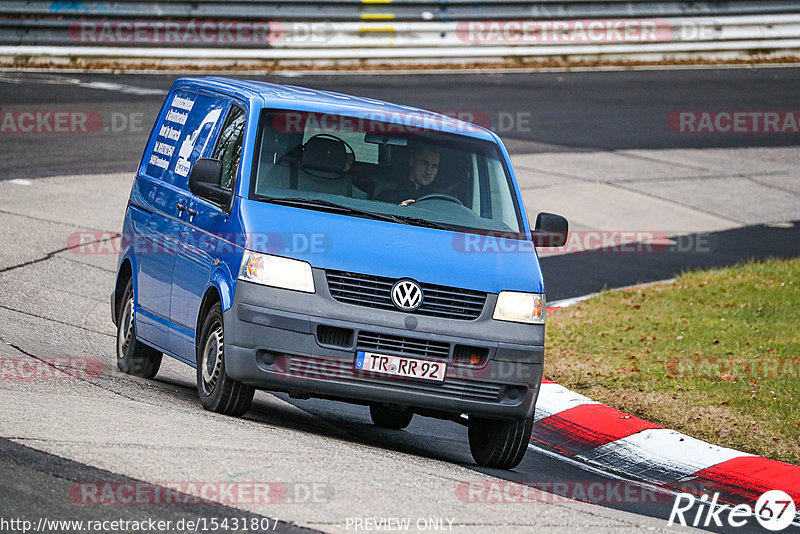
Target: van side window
229, 146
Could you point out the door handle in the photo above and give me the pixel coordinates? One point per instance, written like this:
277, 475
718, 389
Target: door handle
191, 212
180, 206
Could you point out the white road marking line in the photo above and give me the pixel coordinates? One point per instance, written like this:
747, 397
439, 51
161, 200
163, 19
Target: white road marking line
122, 88
565, 303
54, 79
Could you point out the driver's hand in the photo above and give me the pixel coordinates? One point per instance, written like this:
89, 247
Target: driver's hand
407, 202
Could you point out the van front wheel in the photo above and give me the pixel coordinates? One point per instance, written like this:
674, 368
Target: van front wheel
218, 392
500, 444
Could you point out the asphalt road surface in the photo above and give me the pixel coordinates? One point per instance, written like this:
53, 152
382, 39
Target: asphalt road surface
531, 112
562, 112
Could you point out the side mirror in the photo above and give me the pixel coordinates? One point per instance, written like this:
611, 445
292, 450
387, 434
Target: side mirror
204, 181
550, 230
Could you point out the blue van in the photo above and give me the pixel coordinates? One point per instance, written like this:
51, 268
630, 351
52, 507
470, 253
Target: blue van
324, 245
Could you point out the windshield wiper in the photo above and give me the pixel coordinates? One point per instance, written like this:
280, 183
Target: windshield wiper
305, 203
417, 221
325, 205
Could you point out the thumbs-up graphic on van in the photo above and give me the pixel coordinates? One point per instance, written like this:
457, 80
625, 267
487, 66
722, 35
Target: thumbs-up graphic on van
183, 164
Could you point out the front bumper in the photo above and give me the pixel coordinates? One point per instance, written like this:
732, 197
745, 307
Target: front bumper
273, 340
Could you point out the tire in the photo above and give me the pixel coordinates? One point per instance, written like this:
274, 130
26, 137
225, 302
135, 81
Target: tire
500, 444
390, 417
133, 357
218, 392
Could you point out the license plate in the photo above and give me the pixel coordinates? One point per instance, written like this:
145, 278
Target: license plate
399, 366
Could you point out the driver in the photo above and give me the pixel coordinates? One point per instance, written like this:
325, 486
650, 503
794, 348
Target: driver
423, 164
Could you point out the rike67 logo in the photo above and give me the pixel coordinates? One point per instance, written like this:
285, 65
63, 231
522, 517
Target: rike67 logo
774, 510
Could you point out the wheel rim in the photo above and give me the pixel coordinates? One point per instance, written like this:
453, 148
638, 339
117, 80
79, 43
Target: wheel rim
125, 330
213, 355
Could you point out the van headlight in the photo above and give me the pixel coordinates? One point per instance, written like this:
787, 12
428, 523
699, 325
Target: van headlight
520, 307
276, 271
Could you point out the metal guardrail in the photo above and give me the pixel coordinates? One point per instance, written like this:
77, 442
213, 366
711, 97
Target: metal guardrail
108, 32
400, 10
452, 30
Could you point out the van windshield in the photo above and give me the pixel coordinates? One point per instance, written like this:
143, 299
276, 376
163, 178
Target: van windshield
421, 173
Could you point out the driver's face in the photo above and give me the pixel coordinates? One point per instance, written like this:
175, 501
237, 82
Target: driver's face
423, 167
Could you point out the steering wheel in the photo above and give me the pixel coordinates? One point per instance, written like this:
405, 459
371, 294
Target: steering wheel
439, 196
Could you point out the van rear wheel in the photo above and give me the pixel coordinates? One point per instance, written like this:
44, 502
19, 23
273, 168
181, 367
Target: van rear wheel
499, 443
133, 356
218, 392
390, 416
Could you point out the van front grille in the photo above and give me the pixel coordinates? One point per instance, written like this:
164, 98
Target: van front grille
376, 292
331, 335
406, 346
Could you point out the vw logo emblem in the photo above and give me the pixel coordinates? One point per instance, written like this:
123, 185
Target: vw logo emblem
407, 295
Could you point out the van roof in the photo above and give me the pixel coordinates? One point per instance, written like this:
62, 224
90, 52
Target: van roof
304, 99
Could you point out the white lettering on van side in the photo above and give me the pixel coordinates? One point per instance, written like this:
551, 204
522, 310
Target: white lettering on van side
182, 167
163, 148
177, 117
158, 162
182, 103
169, 132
